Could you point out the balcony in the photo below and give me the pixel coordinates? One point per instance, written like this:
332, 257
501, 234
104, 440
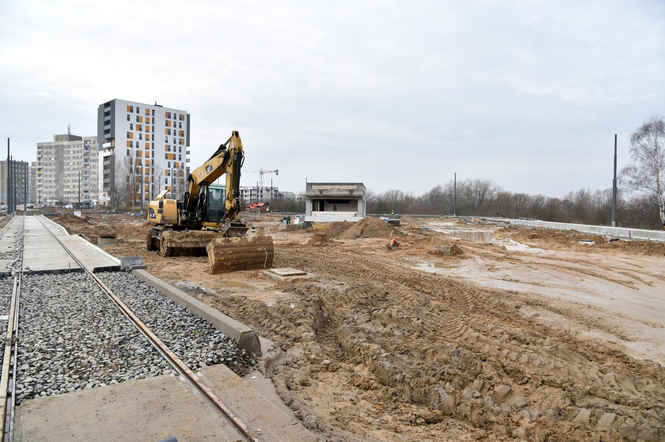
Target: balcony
107, 117
107, 127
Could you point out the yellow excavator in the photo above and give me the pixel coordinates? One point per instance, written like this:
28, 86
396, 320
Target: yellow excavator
206, 219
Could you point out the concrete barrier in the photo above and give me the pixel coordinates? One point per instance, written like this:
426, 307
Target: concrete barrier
244, 336
618, 232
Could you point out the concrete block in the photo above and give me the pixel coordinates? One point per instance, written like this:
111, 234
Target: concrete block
128, 262
244, 336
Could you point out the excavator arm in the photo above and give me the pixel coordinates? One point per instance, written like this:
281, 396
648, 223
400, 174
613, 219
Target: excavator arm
227, 160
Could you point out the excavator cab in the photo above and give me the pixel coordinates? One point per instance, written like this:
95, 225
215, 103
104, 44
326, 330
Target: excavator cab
214, 204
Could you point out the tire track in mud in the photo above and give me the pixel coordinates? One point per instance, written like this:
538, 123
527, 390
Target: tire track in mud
456, 314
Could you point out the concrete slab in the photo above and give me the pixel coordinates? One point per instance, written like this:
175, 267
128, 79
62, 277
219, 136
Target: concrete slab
287, 271
253, 408
148, 410
90, 255
42, 252
7, 244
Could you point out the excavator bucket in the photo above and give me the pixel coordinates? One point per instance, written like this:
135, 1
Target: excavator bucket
189, 242
229, 254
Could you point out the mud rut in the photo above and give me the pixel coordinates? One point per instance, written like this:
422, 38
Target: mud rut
417, 348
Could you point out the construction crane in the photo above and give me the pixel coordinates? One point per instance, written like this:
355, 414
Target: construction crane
261, 172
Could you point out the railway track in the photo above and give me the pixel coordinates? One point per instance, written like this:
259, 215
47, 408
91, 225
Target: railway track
128, 345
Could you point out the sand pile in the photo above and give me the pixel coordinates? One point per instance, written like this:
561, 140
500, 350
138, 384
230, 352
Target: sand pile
370, 228
336, 229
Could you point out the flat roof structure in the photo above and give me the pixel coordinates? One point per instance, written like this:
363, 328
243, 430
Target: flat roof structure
327, 202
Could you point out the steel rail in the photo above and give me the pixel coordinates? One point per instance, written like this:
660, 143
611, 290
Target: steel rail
180, 366
10, 355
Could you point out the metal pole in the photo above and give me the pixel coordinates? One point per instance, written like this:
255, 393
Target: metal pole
455, 195
8, 173
11, 182
79, 207
271, 192
614, 186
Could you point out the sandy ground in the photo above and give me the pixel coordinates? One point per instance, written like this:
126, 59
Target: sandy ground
529, 334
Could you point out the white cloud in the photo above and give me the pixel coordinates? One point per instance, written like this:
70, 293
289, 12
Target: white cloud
395, 94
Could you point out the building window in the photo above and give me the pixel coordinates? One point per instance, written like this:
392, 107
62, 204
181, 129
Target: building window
136, 144
138, 109
166, 139
140, 136
179, 125
137, 118
153, 144
127, 152
129, 135
179, 157
127, 117
153, 114
131, 126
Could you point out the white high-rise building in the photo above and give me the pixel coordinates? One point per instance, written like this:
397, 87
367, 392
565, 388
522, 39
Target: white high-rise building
143, 150
67, 170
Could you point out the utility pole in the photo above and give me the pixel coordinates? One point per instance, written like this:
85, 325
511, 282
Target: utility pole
614, 186
11, 182
8, 179
455, 195
142, 187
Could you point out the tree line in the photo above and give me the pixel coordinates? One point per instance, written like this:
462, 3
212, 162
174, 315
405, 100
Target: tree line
640, 199
482, 197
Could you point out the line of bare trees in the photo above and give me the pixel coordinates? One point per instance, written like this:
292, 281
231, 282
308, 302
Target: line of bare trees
640, 200
482, 197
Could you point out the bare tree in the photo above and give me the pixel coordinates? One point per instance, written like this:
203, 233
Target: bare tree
128, 181
646, 171
156, 180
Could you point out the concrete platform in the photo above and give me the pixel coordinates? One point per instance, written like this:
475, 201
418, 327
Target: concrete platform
41, 251
148, 410
154, 409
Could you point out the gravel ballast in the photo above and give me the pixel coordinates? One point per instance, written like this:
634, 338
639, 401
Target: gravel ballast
73, 337
194, 340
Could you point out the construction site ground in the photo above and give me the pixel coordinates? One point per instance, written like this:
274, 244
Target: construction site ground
518, 334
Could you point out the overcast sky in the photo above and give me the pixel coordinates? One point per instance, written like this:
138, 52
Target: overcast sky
395, 94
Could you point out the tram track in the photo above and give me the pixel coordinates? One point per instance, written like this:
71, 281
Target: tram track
8, 387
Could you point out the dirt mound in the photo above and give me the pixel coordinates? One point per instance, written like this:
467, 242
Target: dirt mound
72, 219
336, 229
370, 228
319, 239
453, 250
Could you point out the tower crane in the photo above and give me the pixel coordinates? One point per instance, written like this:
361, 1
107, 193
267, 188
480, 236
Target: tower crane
261, 172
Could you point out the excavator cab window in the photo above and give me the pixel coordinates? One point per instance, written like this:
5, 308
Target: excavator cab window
216, 208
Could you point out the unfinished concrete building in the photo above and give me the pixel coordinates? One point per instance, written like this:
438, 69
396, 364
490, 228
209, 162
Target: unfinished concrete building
335, 202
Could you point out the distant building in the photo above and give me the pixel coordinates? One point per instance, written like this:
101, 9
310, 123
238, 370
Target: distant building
144, 150
249, 194
67, 171
335, 201
32, 183
20, 173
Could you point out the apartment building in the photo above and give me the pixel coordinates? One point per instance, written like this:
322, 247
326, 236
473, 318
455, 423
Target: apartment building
67, 171
256, 194
144, 150
20, 174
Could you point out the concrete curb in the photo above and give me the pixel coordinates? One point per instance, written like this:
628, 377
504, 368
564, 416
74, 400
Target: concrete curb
245, 337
